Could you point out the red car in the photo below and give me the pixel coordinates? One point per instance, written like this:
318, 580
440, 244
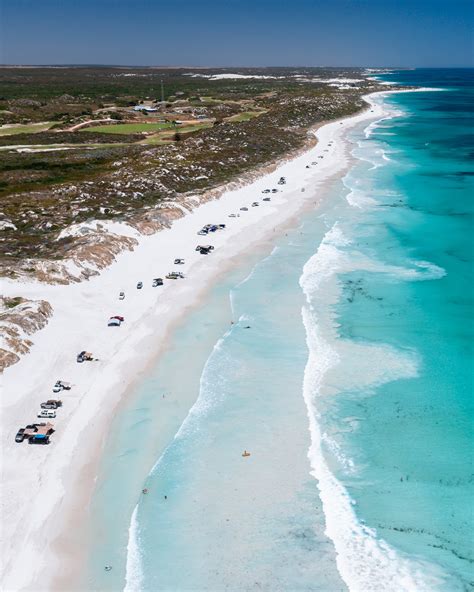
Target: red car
119, 318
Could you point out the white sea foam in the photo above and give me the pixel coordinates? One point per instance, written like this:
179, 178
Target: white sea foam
334, 447
366, 563
134, 571
389, 113
429, 89
209, 395
369, 130
211, 390
359, 365
430, 271
330, 260
376, 155
359, 199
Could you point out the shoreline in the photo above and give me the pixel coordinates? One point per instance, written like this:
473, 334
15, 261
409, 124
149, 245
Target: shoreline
35, 477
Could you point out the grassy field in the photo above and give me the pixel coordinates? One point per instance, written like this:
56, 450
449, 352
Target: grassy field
167, 135
245, 116
129, 128
30, 128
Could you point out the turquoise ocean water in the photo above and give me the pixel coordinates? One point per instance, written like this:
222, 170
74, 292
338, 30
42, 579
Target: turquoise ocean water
347, 375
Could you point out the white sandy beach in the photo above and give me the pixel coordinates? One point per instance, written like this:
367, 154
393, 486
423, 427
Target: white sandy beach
40, 484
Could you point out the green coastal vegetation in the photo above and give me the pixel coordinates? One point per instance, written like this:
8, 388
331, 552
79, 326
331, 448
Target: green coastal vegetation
100, 143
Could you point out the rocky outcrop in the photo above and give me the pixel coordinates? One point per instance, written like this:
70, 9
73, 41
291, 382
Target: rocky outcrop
19, 319
85, 257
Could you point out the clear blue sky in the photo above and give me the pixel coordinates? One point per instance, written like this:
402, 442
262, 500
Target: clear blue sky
238, 32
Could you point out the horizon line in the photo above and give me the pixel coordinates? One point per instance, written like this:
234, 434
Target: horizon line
180, 67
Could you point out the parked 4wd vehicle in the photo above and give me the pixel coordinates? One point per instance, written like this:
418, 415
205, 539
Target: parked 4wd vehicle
49, 413
60, 385
208, 247
81, 357
175, 275
84, 356
139, 285
38, 439
20, 435
157, 282
51, 404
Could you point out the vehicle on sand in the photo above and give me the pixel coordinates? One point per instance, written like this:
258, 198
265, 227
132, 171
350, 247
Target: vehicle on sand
38, 432
38, 439
20, 435
51, 404
60, 385
49, 413
84, 356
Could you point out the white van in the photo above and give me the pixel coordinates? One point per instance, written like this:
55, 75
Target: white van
49, 413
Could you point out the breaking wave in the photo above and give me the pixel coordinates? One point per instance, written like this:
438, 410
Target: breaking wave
211, 391
365, 562
134, 572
